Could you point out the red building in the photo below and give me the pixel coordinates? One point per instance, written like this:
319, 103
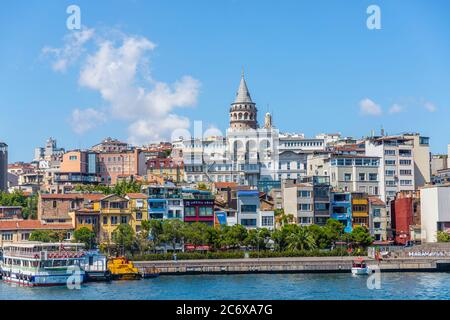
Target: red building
405, 214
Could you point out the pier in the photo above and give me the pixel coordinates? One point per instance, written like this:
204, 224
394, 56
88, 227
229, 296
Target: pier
295, 265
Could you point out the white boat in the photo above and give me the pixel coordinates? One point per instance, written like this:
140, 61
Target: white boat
42, 264
359, 267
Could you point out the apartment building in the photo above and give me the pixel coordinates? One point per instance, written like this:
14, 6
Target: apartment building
78, 167
396, 171
114, 165
378, 220
421, 157
348, 173
298, 200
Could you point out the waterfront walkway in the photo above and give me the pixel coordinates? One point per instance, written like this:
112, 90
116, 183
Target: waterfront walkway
294, 265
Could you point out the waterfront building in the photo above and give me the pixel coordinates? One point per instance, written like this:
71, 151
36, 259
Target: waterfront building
348, 173
17, 230
55, 208
360, 209
248, 207
341, 209
298, 200
114, 211
396, 171
138, 204
434, 211
164, 202
421, 157
308, 199
378, 220
3, 167
405, 215
198, 206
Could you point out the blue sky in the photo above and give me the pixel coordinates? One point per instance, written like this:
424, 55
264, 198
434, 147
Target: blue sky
313, 64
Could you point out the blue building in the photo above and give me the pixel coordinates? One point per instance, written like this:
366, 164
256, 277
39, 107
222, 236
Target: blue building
341, 209
165, 202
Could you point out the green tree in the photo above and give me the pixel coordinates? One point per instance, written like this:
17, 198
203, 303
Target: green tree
360, 236
257, 238
173, 232
301, 239
123, 236
443, 236
333, 230
48, 235
86, 236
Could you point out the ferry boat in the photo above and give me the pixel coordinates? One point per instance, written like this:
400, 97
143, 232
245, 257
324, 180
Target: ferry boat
41, 264
359, 267
122, 269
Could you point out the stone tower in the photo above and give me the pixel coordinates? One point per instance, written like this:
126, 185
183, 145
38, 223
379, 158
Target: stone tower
243, 111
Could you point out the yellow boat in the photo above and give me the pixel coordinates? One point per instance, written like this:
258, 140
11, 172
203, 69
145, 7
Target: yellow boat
122, 269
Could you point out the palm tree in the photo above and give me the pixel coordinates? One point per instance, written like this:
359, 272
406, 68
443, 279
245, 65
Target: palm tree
301, 239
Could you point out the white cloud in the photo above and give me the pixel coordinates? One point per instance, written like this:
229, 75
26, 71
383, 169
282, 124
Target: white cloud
431, 107
73, 48
396, 108
114, 70
370, 108
84, 120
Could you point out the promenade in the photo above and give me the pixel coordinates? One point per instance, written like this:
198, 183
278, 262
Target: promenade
295, 265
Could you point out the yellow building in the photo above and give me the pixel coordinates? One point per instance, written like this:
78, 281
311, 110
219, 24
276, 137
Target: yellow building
114, 211
138, 206
360, 209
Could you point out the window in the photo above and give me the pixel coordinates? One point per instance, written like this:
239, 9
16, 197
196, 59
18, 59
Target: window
139, 215
267, 221
123, 219
54, 204
389, 162
377, 225
347, 176
362, 177
405, 162
406, 182
404, 153
105, 220
321, 206
390, 173
248, 222
304, 194
72, 158
389, 152
189, 212
373, 177
248, 208
304, 206
7, 236
405, 172
114, 220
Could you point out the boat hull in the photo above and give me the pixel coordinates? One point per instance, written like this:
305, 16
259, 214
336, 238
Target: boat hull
40, 280
126, 276
360, 271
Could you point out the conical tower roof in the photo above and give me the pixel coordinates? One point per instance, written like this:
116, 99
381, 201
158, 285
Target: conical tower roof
243, 95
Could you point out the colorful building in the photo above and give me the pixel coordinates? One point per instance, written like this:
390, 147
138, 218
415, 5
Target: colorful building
405, 213
198, 206
139, 209
360, 209
114, 211
341, 209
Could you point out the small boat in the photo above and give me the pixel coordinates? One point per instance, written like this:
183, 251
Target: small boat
122, 269
359, 267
